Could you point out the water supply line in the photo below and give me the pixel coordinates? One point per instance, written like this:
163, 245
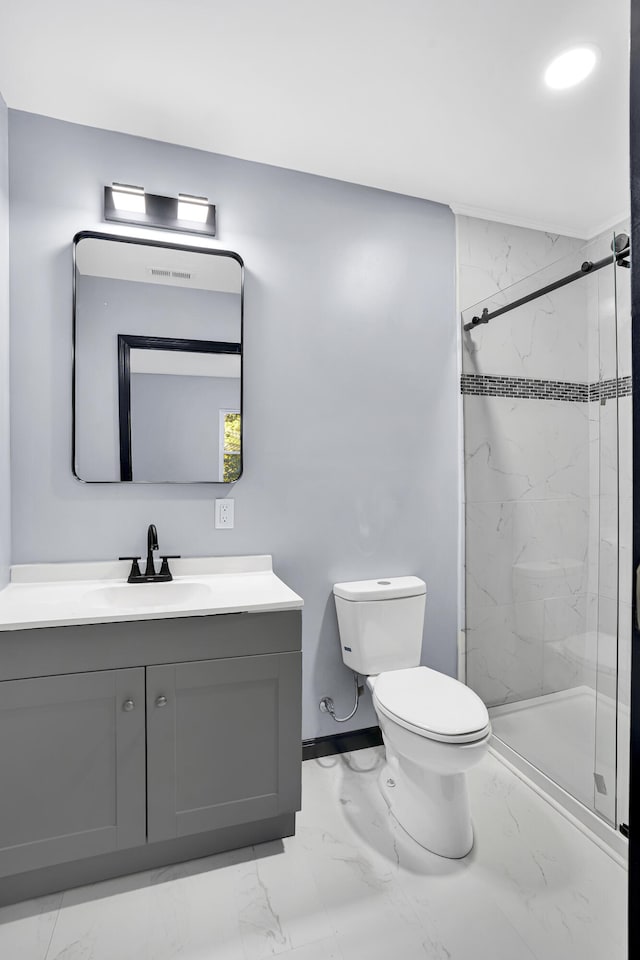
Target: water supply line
327, 706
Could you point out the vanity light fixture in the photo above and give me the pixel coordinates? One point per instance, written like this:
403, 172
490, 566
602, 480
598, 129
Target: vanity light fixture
124, 203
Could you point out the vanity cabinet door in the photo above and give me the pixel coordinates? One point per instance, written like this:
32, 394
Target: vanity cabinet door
223, 743
72, 765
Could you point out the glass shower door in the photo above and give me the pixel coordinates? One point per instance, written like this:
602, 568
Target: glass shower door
604, 546
545, 520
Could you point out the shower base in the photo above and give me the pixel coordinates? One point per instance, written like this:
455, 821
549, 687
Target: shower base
551, 741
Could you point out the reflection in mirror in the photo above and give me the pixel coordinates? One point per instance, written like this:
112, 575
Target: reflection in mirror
157, 362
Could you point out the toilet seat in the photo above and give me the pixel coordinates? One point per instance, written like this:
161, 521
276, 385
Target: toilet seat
431, 705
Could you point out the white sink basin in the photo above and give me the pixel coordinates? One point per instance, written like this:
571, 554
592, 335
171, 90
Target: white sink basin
144, 596
56, 594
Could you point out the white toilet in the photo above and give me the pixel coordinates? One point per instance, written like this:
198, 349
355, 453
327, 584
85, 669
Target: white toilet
434, 727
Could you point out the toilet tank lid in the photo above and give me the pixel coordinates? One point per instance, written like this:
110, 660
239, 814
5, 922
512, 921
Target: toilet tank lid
387, 588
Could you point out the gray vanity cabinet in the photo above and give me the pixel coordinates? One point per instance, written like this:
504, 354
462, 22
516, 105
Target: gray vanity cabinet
72, 778
142, 743
223, 743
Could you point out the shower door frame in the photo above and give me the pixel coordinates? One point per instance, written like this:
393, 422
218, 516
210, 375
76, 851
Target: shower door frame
634, 781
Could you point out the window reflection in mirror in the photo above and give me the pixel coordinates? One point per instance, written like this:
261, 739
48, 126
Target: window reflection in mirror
157, 362
230, 431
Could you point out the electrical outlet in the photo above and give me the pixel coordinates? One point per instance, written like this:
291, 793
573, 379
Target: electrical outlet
224, 514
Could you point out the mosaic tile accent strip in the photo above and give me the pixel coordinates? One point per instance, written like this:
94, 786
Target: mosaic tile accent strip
609, 389
524, 387
479, 385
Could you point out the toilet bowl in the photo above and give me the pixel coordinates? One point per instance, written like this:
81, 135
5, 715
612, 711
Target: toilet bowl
423, 780
434, 728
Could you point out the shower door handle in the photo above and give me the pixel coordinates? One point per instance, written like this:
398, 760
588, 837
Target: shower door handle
638, 598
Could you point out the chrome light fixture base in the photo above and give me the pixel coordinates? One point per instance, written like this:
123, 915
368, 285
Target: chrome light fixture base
159, 212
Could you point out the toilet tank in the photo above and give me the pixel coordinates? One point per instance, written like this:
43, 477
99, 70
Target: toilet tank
380, 623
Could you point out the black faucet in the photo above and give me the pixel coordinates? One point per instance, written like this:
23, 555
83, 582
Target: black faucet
152, 544
150, 575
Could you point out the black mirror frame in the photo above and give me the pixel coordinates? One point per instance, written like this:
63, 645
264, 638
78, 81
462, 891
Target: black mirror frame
125, 342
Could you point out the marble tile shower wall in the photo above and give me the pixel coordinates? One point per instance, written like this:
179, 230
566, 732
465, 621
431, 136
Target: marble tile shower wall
526, 471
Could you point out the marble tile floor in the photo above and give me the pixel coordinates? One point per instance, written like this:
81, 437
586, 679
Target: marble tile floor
351, 885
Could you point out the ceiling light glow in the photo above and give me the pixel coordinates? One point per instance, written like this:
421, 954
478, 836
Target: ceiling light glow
571, 67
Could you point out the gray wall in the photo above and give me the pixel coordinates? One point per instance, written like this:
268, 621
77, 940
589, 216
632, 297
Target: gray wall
175, 425
107, 307
5, 480
350, 383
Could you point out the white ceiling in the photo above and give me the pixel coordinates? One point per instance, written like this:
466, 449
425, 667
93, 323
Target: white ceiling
440, 99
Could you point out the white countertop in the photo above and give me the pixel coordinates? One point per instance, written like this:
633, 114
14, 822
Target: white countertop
59, 594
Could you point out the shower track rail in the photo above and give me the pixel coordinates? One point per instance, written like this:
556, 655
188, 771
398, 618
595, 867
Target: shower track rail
620, 256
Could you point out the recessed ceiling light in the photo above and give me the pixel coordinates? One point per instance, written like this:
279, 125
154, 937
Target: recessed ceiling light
571, 67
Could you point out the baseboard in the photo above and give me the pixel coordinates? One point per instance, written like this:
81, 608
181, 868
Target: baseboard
341, 743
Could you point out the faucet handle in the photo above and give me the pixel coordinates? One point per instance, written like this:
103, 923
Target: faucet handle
135, 569
164, 569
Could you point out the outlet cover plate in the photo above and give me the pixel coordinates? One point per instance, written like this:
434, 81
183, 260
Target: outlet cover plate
224, 514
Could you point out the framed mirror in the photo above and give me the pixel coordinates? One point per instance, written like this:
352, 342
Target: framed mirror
157, 362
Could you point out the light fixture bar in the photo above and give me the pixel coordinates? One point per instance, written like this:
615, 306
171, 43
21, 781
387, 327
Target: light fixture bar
124, 203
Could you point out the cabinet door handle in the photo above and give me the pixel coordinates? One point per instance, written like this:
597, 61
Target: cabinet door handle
161, 701
129, 705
